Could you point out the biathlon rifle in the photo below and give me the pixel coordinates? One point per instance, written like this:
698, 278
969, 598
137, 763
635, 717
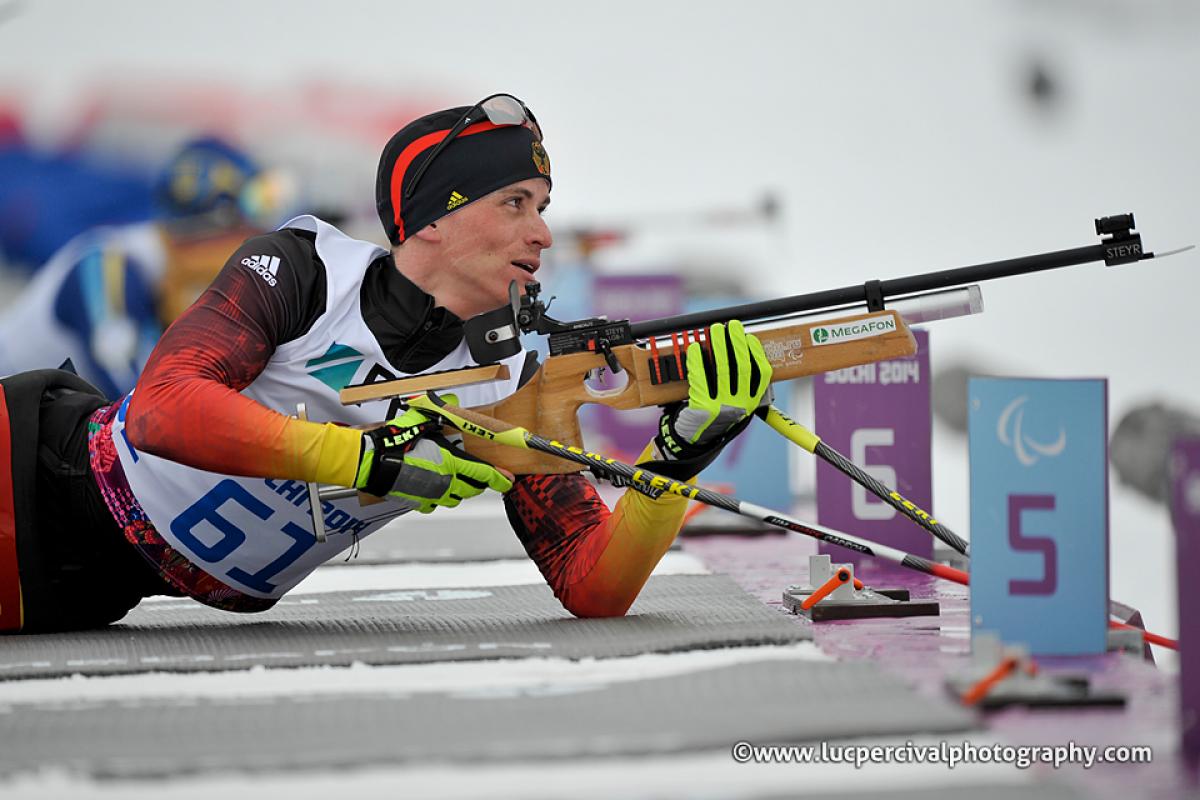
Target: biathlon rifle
802, 335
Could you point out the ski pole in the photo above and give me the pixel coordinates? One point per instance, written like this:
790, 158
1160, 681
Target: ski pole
795, 432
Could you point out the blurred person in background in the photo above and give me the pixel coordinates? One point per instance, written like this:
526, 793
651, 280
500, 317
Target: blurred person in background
104, 298
52, 191
197, 482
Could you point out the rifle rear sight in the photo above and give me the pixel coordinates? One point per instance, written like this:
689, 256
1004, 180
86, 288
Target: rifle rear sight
495, 335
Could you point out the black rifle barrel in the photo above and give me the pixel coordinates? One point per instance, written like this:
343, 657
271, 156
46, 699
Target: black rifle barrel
850, 295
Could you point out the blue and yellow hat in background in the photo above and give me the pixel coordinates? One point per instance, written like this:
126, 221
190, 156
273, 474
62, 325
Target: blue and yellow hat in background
205, 175
212, 178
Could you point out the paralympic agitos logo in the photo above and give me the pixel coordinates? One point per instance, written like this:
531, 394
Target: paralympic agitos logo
1027, 450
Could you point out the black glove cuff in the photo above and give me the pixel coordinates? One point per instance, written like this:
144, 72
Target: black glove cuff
688, 456
390, 443
691, 459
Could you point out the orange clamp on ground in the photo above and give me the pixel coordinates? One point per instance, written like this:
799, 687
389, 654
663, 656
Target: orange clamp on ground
981, 689
839, 577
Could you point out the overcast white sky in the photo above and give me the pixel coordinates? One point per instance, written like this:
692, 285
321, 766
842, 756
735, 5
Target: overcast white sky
901, 137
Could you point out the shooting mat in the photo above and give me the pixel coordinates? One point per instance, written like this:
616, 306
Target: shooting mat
770, 701
438, 541
674, 612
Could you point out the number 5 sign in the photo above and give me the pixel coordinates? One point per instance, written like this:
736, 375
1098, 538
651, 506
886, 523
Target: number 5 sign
1039, 512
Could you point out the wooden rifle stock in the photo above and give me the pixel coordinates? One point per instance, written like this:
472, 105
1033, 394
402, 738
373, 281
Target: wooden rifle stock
549, 403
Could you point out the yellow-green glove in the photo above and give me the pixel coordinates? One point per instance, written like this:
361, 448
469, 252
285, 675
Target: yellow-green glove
724, 389
409, 460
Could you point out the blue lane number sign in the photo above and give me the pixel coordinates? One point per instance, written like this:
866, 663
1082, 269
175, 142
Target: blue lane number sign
1039, 512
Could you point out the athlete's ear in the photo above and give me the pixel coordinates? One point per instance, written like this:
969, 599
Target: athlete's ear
429, 233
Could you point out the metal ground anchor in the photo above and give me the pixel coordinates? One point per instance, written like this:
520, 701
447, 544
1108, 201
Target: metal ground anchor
1002, 675
833, 593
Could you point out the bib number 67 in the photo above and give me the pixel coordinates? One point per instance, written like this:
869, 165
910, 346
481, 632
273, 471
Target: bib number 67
208, 509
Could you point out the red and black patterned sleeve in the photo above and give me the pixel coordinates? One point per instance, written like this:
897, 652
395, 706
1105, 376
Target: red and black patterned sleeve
595, 561
187, 406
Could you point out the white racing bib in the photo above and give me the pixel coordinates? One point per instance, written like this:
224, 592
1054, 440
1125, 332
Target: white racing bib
255, 534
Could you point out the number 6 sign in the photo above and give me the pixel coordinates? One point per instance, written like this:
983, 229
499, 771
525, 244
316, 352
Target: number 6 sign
879, 415
1039, 512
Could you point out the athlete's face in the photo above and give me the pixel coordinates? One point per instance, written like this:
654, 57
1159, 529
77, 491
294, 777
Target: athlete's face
493, 241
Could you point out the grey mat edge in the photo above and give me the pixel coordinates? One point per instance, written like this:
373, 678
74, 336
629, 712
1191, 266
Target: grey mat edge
215, 641
665, 720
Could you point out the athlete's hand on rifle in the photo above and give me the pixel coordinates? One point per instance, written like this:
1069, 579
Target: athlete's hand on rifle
727, 382
409, 460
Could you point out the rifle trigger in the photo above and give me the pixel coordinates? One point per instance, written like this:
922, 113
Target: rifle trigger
609, 358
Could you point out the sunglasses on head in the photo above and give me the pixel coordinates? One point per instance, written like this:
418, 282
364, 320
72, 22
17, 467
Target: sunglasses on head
499, 109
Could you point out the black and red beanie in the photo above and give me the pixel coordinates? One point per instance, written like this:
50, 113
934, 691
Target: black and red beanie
484, 157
